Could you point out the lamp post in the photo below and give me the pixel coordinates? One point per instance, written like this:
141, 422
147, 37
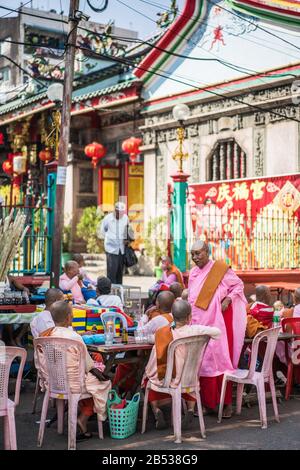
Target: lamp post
180, 113
61, 176
55, 94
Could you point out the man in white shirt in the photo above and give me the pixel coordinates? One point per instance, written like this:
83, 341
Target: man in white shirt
114, 231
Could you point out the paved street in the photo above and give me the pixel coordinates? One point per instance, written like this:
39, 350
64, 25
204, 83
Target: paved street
241, 432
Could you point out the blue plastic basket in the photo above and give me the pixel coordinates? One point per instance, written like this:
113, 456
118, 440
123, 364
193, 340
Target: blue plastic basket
122, 422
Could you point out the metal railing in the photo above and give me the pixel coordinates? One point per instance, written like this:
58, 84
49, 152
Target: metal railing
271, 240
35, 252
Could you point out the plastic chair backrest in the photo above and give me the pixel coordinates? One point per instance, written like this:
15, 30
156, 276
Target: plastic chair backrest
271, 336
7, 356
52, 354
291, 325
113, 317
118, 289
195, 347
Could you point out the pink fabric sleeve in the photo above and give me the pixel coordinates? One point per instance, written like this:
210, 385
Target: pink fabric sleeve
170, 279
67, 285
234, 285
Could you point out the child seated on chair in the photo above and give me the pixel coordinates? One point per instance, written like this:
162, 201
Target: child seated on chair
44, 319
104, 296
160, 315
125, 374
71, 280
80, 261
156, 368
96, 383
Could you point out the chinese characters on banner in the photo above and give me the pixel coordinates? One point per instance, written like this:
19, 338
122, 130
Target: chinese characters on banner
251, 223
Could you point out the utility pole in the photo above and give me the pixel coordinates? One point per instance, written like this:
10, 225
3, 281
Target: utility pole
63, 145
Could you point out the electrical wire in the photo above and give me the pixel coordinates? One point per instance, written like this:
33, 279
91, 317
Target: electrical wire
170, 77
188, 41
258, 26
16, 10
225, 63
127, 62
243, 17
203, 22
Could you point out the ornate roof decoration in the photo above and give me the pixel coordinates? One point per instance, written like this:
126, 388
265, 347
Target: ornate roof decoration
173, 40
167, 17
282, 11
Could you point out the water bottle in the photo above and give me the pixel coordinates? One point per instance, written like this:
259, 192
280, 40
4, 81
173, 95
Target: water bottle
109, 334
276, 319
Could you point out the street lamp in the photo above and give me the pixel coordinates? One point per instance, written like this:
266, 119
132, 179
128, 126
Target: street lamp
178, 199
180, 113
55, 94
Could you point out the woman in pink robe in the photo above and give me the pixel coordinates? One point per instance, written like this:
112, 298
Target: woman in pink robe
226, 311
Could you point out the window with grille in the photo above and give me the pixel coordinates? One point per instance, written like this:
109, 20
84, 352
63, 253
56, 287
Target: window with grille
227, 161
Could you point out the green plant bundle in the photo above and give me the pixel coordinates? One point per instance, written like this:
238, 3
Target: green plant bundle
87, 229
156, 241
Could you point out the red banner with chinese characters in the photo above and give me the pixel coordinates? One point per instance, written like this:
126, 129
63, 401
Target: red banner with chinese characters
251, 223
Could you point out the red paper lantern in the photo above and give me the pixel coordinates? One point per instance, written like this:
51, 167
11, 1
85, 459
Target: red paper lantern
45, 155
131, 146
95, 151
7, 167
1, 138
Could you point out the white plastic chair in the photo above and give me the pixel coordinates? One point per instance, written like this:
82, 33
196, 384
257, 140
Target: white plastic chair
112, 316
118, 289
242, 377
195, 348
52, 358
7, 406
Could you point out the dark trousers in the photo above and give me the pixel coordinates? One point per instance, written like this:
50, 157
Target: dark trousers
115, 265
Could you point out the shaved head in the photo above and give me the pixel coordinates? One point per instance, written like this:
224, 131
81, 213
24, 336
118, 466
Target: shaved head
61, 312
165, 301
166, 263
200, 253
185, 294
297, 295
200, 245
176, 289
263, 294
181, 311
53, 295
71, 269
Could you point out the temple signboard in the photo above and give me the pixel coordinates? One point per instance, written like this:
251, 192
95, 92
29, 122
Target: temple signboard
250, 223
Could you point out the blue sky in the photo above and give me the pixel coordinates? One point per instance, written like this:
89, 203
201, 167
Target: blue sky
122, 15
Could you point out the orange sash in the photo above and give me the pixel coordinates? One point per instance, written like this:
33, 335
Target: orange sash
168, 317
163, 337
48, 332
174, 270
211, 283
155, 313
288, 313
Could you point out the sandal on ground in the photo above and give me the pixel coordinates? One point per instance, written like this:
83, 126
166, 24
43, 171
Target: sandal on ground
83, 436
226, 414
160, 422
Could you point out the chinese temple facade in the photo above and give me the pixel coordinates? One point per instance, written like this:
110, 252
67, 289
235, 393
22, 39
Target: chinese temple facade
237, 71
236, 65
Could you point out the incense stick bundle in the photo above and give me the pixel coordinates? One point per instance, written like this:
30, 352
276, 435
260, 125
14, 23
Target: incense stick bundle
12, 233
